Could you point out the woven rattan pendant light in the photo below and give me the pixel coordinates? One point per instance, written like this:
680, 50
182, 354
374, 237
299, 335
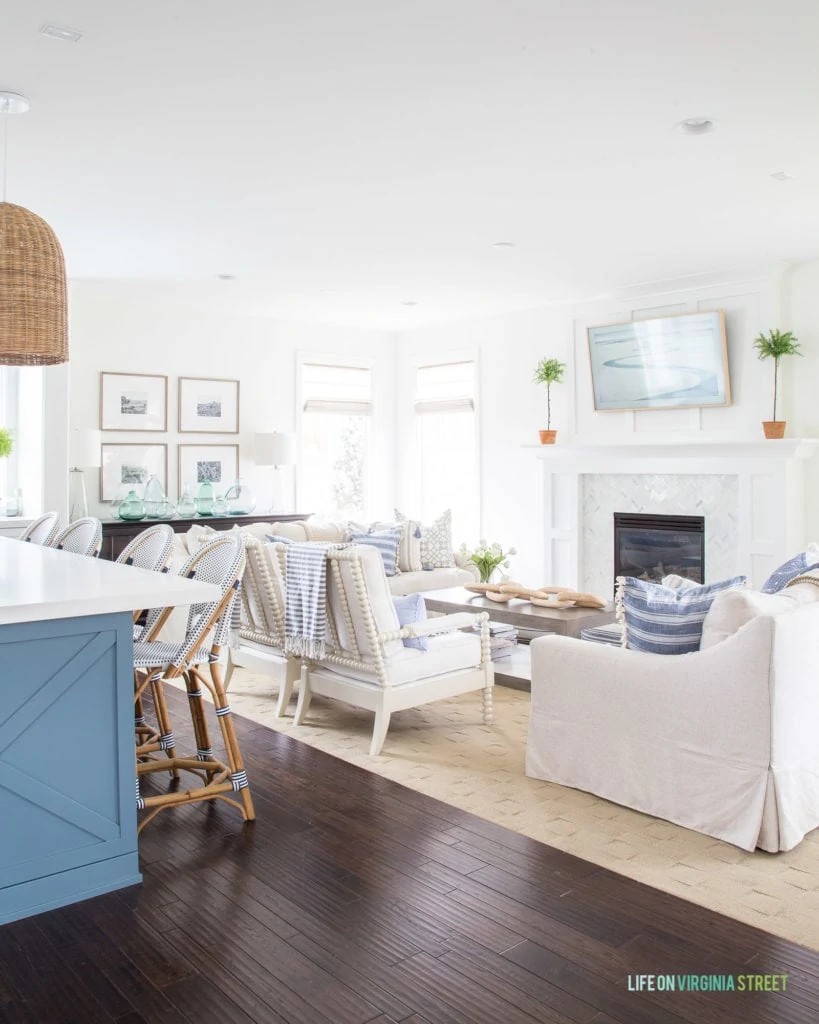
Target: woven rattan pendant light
33, 302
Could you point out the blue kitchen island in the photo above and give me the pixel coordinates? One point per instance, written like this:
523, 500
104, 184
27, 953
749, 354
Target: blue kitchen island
67, 776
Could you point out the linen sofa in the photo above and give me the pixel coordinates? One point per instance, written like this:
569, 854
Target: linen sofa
462, 572
722, 740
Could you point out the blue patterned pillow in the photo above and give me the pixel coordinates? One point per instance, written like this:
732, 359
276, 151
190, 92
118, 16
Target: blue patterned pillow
409, 609
781, 577
659, 620
386, 541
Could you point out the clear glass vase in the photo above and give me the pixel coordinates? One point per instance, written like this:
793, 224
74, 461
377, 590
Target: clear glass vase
240, 499
204, 499
132, 509
186, 506
155, 499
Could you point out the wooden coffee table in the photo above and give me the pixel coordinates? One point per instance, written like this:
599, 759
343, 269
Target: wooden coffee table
530, 619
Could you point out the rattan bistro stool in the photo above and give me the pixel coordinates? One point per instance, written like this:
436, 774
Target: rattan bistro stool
151, 550
222, 561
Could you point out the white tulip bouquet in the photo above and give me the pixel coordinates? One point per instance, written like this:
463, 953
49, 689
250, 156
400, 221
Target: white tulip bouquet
488, 558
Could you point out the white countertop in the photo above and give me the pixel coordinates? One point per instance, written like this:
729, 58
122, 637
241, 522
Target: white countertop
38, 583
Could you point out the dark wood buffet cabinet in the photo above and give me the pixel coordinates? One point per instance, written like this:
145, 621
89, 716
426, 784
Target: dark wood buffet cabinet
116, 533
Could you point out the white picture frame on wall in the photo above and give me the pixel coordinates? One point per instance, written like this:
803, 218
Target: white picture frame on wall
208, 405
133, 401
129, 466
216, 463
670, 362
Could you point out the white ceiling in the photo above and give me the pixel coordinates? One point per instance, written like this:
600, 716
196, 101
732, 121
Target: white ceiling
342, 159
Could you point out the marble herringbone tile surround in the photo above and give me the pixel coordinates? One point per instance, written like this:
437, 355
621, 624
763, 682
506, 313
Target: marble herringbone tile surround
713, 496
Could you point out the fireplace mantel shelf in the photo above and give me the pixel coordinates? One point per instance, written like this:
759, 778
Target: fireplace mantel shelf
759, 498
787, 448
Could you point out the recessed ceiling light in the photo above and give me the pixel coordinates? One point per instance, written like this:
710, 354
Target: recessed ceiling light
503, 245
696, 126
68, 35
410, 302
226, 277
782, 176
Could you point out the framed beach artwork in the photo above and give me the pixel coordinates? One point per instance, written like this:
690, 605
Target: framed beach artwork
208, 406
217, 464
128, 467
133, 401
670, 362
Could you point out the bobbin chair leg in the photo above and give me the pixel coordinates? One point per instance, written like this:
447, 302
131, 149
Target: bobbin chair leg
291, 674
304, 695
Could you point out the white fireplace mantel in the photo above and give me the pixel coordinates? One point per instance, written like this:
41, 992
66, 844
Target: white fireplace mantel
757, 514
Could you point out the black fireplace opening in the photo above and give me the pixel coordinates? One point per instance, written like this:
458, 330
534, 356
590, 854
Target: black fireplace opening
649, 547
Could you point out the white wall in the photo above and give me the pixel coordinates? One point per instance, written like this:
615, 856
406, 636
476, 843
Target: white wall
512, 409
116, 327
800, 376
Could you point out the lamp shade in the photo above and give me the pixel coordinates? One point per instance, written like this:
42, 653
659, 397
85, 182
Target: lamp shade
33, 303
274, 449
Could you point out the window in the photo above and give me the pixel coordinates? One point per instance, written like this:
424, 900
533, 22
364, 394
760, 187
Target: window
21, 412
447, 438
335, 439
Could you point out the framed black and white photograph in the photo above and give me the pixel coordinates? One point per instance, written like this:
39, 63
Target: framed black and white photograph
217, 464
133, 401
128, 467
208, 406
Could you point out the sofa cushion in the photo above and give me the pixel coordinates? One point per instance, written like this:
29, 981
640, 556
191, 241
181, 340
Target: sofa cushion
436, 541
409, 546
660, 620
384, 541
411, 609
431, 579
732, 609
315, 530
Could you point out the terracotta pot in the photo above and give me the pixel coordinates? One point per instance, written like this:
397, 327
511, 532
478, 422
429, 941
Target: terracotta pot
547, 436
774, 429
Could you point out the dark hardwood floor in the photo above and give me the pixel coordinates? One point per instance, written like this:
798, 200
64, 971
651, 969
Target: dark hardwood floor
354, 900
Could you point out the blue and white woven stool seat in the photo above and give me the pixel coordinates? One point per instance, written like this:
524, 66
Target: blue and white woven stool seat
155, 653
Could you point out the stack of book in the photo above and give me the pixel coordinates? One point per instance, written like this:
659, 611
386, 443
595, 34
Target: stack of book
503, 639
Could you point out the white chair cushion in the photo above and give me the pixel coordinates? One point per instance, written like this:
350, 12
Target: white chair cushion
449, 652
380, 600
432, 579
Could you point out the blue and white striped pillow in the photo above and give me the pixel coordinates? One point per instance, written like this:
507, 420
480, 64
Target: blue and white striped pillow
386, 541
661, 620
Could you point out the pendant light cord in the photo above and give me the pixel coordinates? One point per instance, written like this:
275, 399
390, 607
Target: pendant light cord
5, 109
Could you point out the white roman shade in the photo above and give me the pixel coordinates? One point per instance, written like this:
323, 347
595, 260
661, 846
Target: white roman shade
445, 387
340, 389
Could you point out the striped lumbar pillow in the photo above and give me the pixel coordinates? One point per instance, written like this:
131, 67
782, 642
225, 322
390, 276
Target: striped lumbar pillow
386, 541
661, 620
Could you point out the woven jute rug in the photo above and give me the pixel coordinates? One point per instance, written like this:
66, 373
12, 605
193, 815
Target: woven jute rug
445, 751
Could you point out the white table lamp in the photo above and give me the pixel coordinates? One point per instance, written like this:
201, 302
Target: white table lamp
276, 450
86, 445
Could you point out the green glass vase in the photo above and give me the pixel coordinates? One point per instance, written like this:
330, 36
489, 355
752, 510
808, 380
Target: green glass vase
204, 499
132, 509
